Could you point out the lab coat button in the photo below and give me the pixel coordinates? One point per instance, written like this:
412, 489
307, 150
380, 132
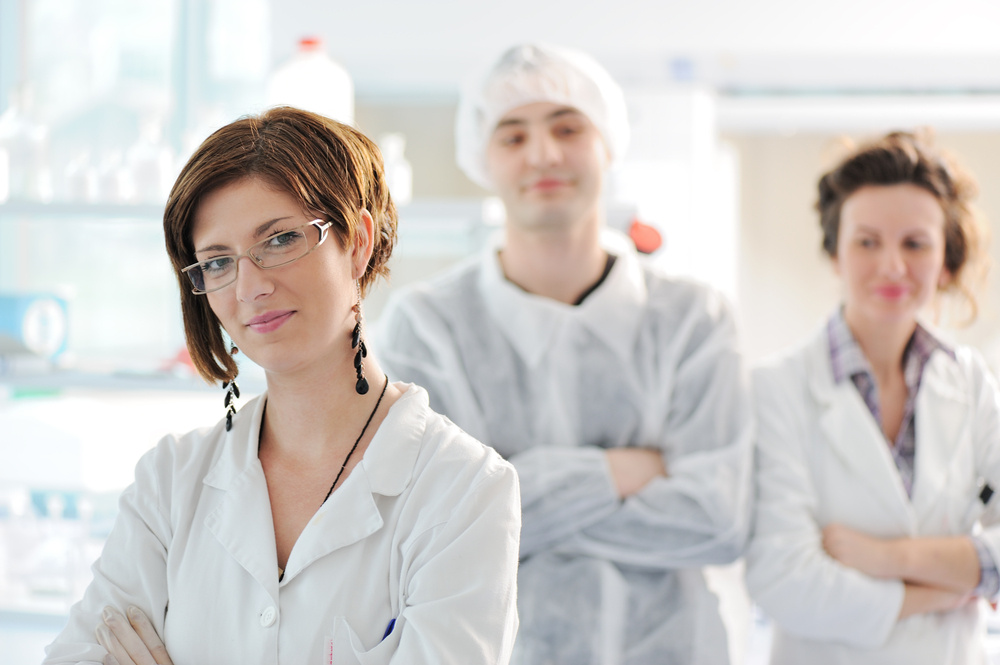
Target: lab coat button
268, 616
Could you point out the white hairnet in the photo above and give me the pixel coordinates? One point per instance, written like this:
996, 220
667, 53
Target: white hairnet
532, 73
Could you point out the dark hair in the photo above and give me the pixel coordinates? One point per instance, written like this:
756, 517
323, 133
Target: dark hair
911, 158
332, 169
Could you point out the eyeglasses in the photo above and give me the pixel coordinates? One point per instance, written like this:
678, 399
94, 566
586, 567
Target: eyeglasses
274, 251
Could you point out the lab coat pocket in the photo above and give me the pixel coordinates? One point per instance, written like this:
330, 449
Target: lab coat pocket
344, 647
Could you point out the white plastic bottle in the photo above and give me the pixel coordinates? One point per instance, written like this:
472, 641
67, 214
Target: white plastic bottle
398, 172
150, 161
313, 81
25, 143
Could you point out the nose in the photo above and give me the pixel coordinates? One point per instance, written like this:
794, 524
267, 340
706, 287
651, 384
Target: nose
893, 262
543, 150
252, 281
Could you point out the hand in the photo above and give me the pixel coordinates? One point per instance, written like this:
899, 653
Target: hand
872, 556
131, 641
633, 468
918, 599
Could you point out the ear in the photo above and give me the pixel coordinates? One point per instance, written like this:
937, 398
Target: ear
944, 279
364, 244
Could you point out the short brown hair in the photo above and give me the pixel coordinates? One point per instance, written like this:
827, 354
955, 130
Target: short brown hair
332, 169
911, 158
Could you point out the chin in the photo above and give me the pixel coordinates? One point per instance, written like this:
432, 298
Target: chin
892, 312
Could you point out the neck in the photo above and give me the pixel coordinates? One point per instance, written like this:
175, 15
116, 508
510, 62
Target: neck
317, 412
883, 344
555, 263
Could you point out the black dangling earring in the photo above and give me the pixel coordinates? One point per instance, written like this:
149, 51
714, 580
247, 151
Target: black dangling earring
357, 343
232, 394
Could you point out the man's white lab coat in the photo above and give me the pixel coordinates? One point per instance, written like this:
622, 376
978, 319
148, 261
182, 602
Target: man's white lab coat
645, 361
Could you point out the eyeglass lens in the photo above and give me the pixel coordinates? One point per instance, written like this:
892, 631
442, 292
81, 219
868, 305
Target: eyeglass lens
277, 250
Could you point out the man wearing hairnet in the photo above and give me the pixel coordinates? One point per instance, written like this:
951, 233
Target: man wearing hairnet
617, 392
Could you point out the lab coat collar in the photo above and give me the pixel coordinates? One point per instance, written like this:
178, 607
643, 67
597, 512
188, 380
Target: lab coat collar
388, 463
391, 457
239, 449
854, 435
612, 312
943, 427
349, 515
242, 521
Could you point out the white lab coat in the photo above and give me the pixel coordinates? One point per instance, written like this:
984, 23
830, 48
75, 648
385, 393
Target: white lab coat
823, 459
424, 531
645, 360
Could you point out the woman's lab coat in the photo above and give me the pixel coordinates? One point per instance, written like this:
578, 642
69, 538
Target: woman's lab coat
645, 360
822, 458
423, 532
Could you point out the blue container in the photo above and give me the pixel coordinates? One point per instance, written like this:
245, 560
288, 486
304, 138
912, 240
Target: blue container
35, 323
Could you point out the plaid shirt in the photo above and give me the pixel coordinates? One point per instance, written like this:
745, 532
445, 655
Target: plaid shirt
847, 360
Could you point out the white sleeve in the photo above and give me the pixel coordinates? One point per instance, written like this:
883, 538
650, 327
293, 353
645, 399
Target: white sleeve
130, 571
789, 574
415, 344
562, 489
700, 513
461, 581
987, 445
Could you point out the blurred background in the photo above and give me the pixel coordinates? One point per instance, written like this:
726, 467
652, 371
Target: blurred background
736, 107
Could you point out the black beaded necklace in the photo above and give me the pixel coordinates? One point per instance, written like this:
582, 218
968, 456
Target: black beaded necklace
360, 436
260, 434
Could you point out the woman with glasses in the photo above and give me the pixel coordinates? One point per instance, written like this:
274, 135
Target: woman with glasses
877, 532
335, 518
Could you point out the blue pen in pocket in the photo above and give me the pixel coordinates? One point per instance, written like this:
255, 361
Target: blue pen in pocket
388, 629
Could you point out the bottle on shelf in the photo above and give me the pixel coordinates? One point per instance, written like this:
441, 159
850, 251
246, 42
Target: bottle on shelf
114, 180
313, 81
150, 161
80, 180
24, 143
398, 172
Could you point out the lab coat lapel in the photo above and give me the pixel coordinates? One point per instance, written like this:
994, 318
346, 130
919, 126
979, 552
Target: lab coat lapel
529, 322
852, 433
242, 521
614, 311
942, 427
351, 513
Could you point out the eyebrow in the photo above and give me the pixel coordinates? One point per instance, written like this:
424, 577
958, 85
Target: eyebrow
258, 233
874, 231
552, 116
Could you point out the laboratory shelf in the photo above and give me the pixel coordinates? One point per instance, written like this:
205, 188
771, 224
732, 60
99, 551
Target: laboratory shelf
54, 381
128, 212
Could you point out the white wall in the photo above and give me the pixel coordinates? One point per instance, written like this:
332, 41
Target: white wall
427, 47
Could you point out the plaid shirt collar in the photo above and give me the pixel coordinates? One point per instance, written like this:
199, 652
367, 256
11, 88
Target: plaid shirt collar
847, 360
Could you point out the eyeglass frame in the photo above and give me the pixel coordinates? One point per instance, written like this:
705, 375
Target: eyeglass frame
324, 231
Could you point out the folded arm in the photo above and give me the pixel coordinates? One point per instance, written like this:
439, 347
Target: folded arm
948, 562
799, 585
130, 572
695, 504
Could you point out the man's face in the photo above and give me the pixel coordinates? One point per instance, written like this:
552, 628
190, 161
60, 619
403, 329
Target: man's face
547, 163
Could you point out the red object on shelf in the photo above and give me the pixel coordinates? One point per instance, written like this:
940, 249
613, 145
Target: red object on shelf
646, 238
181, 360
311, 44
